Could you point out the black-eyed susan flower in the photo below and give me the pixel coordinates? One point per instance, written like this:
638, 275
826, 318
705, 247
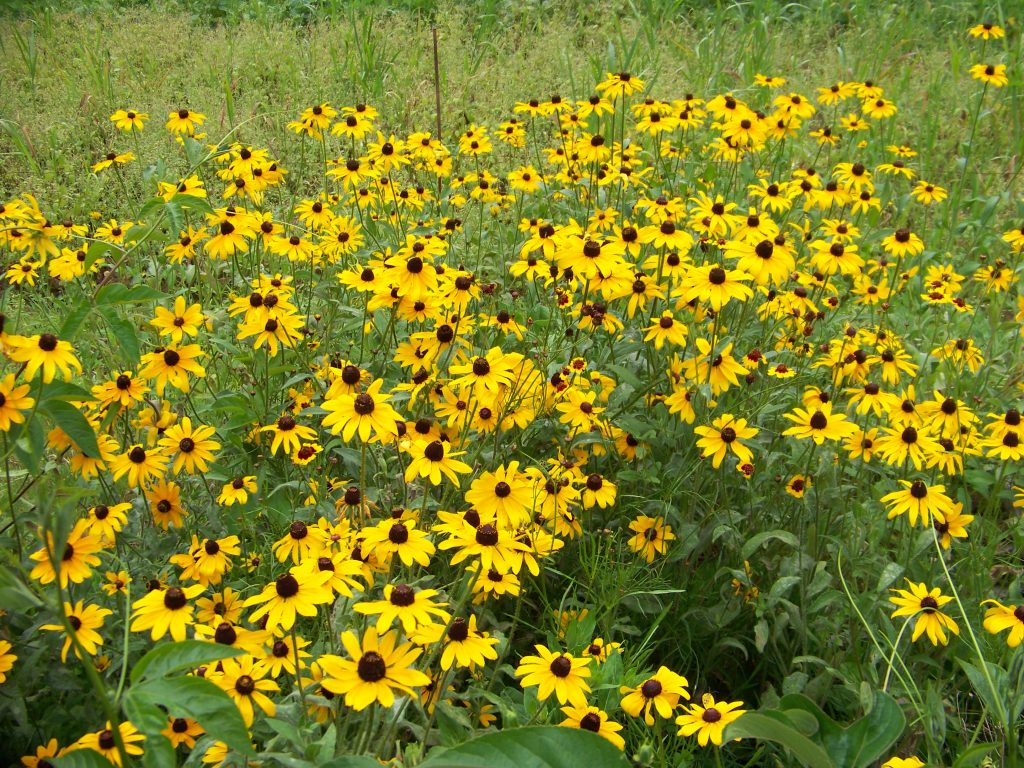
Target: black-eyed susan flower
376, 668
709, 719
367, 414
300, 542
651, 536
595, 720
990, 74
660, 692
183, 320
726, 434
165, 611
245, 682
182, 731
923, 606
184, 121
104, 742
820, 425
398, 537
561, 674
140, 465
44, 352
84, 620
164, 499
413, 608
14, 402
237, 491
192, 448
129, 120
431, 460
288, 434
1000, 618
463, 645
172, 366
504, 494
296, 593
74, 564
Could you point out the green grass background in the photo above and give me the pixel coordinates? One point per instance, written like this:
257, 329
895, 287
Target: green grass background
66, 66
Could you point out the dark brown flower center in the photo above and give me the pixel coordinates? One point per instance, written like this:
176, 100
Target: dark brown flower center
174, 599
561, 667
287, 586
371, 667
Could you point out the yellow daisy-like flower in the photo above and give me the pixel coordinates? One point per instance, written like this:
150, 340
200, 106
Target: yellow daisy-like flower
709, 719
561, 674
376, 668
165, 611
924, 604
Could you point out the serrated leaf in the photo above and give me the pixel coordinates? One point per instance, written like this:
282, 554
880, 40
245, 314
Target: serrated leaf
73, 322
124, 333
116, 293
176, 657
74, 424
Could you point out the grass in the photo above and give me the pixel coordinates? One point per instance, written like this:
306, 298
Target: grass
259, 72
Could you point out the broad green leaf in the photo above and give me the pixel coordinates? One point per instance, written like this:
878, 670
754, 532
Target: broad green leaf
115, 293
756, 725
73, 322
62, 390
755, 542
14, 594
124, 333
983, 689
81, 758
974, 755
96, 252
150, 720
74, 424
201, 700
864, 741
536, 747
30, 444
176, 657
351, 761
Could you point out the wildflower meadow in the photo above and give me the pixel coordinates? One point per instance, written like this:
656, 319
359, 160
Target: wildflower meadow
511, 384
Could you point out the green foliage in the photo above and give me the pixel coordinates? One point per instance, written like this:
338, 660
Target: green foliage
538, 747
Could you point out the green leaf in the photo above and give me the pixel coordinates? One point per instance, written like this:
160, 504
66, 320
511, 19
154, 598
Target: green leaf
73, 322
115, 293
124, 333
537, 747
74, 424
61, 390
756, 725
151, 721
30, 445
96, 252
14, 594
864, 741
176, 657
974, 755
351, 761
201, 700
754, 543
983, 689
81, 758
